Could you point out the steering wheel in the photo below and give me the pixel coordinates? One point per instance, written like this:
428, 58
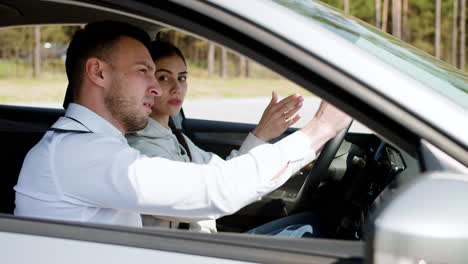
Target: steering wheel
319, 170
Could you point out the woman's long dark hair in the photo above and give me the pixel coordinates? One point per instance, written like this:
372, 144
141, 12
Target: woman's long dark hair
161, 49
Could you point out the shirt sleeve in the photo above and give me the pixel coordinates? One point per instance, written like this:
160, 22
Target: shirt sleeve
249, 143
203, 157
118, 176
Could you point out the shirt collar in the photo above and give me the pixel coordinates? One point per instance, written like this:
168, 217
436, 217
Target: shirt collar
92, 121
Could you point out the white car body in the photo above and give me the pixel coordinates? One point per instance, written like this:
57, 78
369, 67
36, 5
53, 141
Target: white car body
438, 127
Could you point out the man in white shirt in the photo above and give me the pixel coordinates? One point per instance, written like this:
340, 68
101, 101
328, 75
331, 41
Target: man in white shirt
83, 169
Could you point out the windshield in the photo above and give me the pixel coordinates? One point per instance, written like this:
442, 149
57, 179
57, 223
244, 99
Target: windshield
434, 73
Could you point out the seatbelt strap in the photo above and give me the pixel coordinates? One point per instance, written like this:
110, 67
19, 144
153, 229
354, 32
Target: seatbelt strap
60, 130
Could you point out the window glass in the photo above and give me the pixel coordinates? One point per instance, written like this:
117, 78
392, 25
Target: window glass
224, 85
442, 77
240, 99
32, 65
236, 90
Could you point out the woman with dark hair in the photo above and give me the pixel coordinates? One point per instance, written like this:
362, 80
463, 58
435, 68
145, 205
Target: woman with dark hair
160, 138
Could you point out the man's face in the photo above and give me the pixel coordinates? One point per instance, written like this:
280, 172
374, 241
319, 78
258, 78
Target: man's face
133, 86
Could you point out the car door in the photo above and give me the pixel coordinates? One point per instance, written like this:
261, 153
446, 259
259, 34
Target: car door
26, 240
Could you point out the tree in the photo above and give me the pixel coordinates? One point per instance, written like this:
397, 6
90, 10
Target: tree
247, 68
396, 18
454, 32
462, 33
437, 30
405, 25
417, 22
385, 16
223, 64
242, 66
346, 6
37, 51
377, 13
211, 56
62, 34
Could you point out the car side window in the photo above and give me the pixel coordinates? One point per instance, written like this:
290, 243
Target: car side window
32, 65
226, 86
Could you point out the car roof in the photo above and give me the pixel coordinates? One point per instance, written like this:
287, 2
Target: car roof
24, 12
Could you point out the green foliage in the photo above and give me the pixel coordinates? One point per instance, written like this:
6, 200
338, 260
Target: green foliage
18, 68
61, 34
14, 40
421, 21
17, 43
14, 68
362, 9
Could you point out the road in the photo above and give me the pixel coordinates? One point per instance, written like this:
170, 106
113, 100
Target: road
246, 110
249, 110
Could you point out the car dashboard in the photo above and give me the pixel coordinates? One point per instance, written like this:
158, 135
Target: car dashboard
365, 172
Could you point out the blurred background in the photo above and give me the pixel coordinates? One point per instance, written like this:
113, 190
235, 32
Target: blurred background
32, 59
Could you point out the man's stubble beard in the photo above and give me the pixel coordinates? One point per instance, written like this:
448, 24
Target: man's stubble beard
125, 110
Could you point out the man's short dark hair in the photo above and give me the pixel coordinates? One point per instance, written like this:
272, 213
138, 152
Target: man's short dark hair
95, 40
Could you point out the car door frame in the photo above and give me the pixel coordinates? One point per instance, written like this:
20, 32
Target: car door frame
241, 247
204, 25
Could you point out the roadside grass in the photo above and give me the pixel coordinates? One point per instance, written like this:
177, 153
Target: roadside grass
32, 90
18, 86
48, 90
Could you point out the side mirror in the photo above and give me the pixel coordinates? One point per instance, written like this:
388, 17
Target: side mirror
426, 223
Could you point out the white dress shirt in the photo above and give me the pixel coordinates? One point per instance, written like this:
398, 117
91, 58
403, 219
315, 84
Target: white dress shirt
156, 140
97, 177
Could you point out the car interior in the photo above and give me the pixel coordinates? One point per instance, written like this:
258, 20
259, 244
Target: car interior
347, 181
354, 175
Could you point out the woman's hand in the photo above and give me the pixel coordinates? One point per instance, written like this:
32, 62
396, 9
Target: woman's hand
278, 116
